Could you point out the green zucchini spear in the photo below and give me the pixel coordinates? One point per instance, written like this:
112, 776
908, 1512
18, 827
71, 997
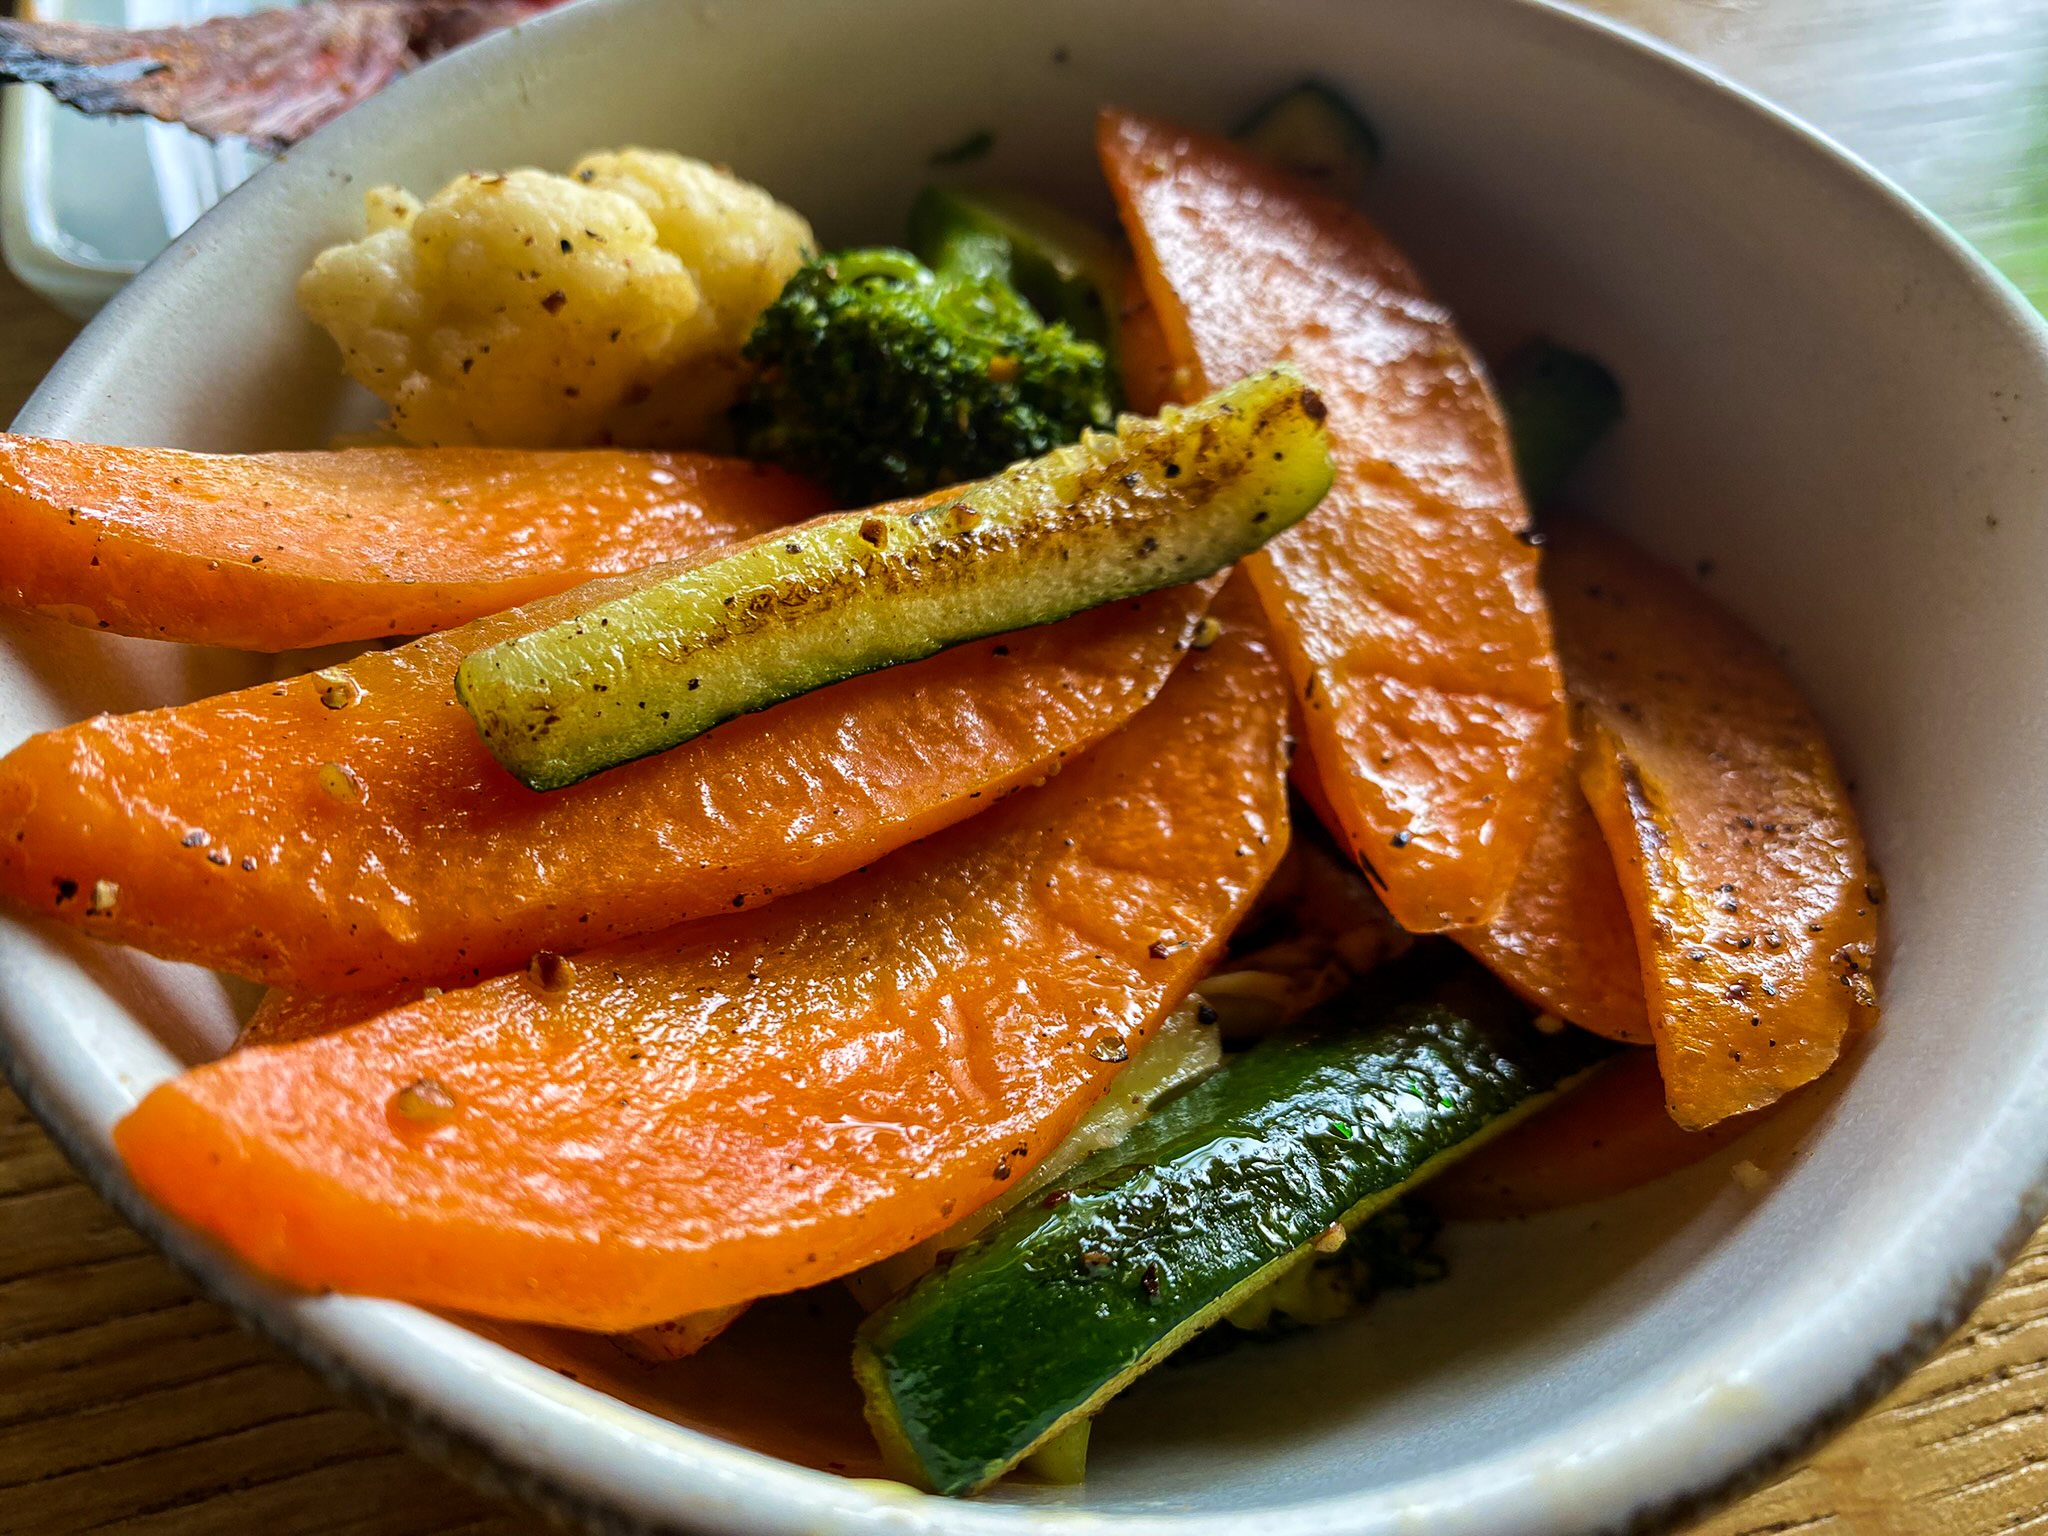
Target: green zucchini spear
1035, 1326
1157, 503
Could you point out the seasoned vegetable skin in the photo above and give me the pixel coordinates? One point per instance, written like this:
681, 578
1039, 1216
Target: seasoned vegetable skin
214, 822
765, 1100
880, 378
1408, 608
278, 551
1559, 404
1741, 865
1181, 1051
1041, 1321
1163, 502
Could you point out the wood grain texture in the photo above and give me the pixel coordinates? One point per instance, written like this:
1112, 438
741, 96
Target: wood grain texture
129, 1405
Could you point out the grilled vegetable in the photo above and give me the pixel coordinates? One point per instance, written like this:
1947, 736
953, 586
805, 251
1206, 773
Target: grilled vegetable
765, 1100
1562, 938
348, 830
1038, 1324
1431, 706
278, 551
1313, 131
1163, 502
1742, 869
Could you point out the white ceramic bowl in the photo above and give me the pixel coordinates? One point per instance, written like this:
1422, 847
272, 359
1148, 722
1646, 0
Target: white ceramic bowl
1835, 409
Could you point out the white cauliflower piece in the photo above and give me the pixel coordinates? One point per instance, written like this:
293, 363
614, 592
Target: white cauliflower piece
534, 310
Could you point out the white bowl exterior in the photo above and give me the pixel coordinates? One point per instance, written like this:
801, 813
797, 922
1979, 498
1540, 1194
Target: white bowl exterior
1832, 404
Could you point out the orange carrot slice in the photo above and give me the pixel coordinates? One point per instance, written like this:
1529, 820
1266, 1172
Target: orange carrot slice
349, 830
1408, 608
1740, 862
285, 1015
764, 1100
1562, 938
270, 552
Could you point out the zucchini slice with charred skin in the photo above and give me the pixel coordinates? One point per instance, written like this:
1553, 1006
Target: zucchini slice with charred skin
1158, 503
1035, 1326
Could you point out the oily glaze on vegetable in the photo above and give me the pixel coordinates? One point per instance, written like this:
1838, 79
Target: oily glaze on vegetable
761, 1101
276, 551
1740, 862
1408, 609
1161, 502
348, 829
1035, 1325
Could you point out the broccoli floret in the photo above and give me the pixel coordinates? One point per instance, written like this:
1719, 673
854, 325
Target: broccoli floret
881, 378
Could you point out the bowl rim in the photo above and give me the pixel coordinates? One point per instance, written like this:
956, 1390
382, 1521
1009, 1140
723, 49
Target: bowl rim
560, 1452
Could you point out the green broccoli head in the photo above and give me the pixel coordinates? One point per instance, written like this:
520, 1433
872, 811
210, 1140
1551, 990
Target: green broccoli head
881, 378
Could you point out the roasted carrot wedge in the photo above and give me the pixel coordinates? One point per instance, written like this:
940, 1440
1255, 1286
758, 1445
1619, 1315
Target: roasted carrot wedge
285, 1015
764, 1100
1562, 938
349, 829
1408, 609
270, 552
1740, 862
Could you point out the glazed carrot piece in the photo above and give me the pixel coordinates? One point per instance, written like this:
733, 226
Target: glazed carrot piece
761, 1101
1608, 1135
285, 1015
1562, 938
273, 551
1408, 608
348, 829
1740, 862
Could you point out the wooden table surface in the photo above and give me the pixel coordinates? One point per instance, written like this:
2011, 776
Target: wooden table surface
129, 1405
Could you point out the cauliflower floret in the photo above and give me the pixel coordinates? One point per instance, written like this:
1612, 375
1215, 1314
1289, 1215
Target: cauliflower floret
535, 310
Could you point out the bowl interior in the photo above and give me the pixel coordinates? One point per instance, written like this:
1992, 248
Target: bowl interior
1836, 420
